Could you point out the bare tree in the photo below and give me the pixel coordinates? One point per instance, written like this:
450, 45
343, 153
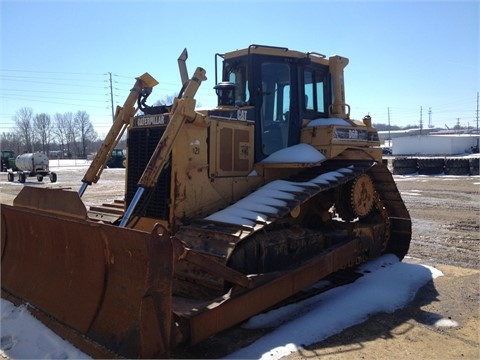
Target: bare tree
71, 133
85, 130
43, 129
23, 122
10, 141
60, 129
167, 100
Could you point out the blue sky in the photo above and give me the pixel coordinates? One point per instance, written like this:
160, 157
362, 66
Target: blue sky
404, 55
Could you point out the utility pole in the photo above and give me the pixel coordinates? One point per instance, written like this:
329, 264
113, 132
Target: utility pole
389, 136
478, 134
430, 118
421, 121
477, 112
111, 96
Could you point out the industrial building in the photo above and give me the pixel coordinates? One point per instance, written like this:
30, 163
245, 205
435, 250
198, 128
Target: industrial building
435, 144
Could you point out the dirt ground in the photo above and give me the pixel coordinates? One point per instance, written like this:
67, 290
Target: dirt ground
445, 213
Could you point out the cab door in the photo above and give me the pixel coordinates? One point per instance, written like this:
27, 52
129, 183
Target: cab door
277, 120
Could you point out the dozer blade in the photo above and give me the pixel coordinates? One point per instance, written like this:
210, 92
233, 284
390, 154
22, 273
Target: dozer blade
106, 289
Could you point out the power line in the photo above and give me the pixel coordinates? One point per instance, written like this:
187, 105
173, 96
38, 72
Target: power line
49, 102
23, 96
7, 90
50, 72
50, 83
11, 77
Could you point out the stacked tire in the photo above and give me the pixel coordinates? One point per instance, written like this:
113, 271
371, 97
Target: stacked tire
457, 166
430, 166
404, 166
436, 166
473, 164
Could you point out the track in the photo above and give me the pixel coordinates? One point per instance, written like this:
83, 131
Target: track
259, 234
400, 223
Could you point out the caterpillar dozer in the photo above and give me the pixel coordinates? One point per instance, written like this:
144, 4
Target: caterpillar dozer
226, 212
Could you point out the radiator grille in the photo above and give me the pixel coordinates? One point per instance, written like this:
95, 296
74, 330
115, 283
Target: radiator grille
141, 145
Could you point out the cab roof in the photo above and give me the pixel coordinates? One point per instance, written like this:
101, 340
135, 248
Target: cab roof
277, 51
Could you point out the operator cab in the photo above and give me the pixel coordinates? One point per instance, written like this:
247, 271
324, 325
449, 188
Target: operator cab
279, 88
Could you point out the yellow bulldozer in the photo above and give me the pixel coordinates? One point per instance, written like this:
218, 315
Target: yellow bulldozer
226, 212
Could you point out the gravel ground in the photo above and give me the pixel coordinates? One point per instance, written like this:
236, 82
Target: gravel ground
445, 213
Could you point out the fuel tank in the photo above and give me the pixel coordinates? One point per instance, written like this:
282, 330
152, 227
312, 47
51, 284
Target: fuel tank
32, 162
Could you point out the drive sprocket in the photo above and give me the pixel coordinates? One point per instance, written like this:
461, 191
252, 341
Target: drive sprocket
362, 195
356, 198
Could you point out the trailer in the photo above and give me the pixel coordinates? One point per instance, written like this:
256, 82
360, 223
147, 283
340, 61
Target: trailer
32, 164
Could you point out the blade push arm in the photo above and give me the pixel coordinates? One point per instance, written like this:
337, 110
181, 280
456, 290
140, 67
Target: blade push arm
120, 123
183, 110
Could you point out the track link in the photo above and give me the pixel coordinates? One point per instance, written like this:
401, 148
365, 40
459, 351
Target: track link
398, 216
221, 234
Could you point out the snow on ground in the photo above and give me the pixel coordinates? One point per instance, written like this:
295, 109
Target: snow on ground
68, 163
24, 337
387, 285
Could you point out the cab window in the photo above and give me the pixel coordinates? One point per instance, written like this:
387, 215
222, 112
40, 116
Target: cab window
314, 91
275, 108
236, 72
